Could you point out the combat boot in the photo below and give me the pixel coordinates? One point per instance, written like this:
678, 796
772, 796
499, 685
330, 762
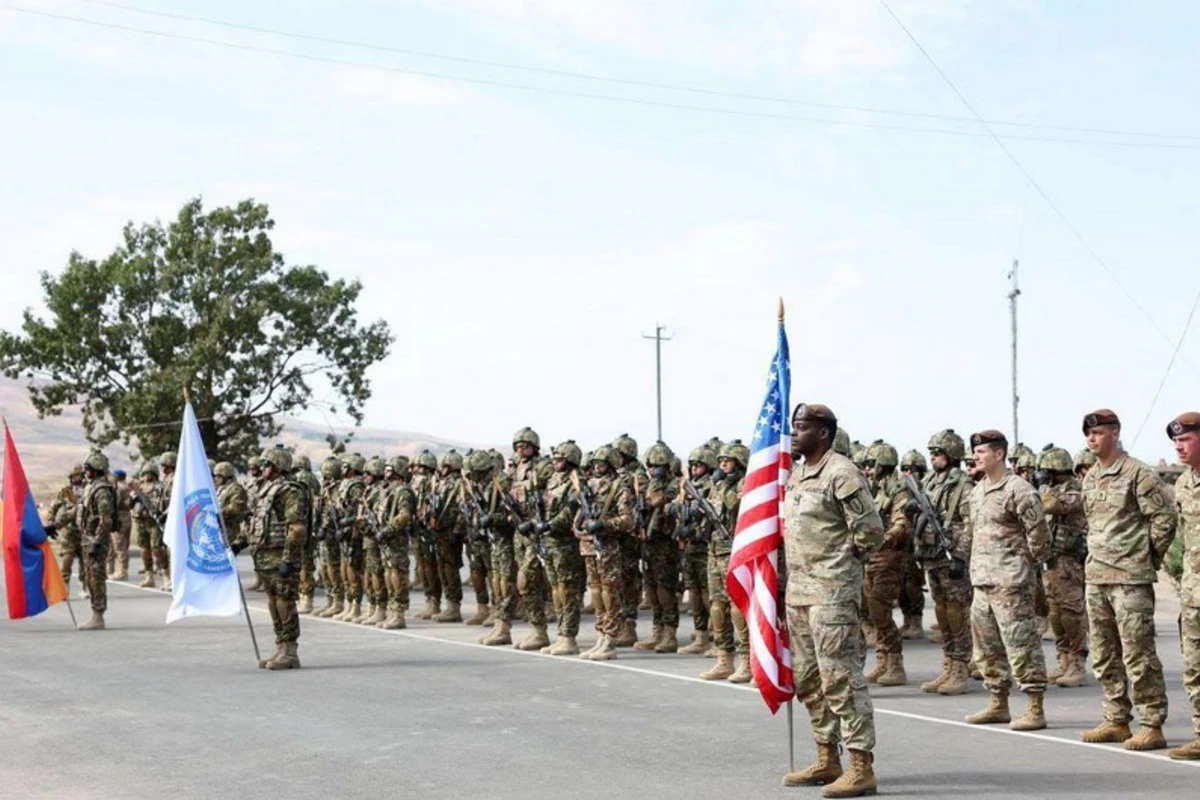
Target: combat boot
937, 637
857, 781
956, 681
607, 650
628, 635
122, 573
651, 642
913, 627
288, 660
262, 664
1189, 752
147, 582
480, 616
669, 642
1147, 737
881, 666
699, 646
1073, 675
501, 634
536, 639
996, 711
335, 608
894, 675
166, 587
826, 769
305, 604
564, 646
96, 623
932, 686
721, 670
869, 634
353, 612
741, 673
1053, 675
587, 654
453, 612
1034, 718
364, 614
378, 617
1107, 732
427, 611
645, 605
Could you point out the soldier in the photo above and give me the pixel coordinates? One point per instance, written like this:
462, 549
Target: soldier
912, 593
530, 475
692, 532
841, 443
449, 531
566, 562
328, 528
162, 556
1130, 527
370, 516
1022, 457
1184, 431
1008, 534
948, 489
253, 484
606, 515
424, 469
886, 566
302, 473
146, 515
661, 551
830, 523
351, 492
96, 519
728, 626
399, 513
118, 557
490, 481
858, 453
479, 547
1062, 499
235, 506
627, 450
1084, 460
279, 534
62, 515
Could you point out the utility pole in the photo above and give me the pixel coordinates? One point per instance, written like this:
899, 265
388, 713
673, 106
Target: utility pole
658, 340
1013, 294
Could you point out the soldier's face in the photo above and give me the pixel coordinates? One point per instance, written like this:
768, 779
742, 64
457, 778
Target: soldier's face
697, 469
806, 437
600, 468
524, 450
1102, 440
560, 464
1187, 447
940, 461
987, 457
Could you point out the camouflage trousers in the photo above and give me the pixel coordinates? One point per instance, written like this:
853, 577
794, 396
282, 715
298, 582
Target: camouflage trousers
566, 564
728, 626
1064, 584
479, 561
281, 603
331, 569
308, 567
952, 606
425, 548
695, 579
631, 580
1006, 639
118, 555
912, 592
449, 553
70, 550
884, 580
154, 552
352, 569
828, 651
662, 580
1189, 636
93, 566
610, 566
374, 585
503, 574
531, 581
1121, 623
393, 552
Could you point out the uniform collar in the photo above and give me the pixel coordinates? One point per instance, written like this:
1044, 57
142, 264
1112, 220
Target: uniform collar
989, 487
1113, 468
808, 470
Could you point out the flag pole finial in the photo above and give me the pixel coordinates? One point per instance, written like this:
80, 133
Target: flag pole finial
781, 309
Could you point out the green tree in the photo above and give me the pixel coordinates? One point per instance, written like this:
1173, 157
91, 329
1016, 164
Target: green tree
204, 304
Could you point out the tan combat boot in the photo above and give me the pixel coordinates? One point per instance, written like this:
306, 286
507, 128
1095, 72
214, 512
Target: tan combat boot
1189, 752
96, 623
1034, 718
122, 572
166, 587
652, 641
699, 646
1147, 738
857, 781
914, 628
367, 614
741, 673
1074, 675
956, 681
628, 635
894, 675
721, 670
607, 650
353, 612
453, 612
334, 608
262, 664
645, 605
932, 686
937, 637
1053, 675
598, 646
305, 604
881, 666
669, 643
536, 639
480, 616
564, 646
826, 769
996, 711
501, 634
147, 582
1107, 732
427, 611
288, 660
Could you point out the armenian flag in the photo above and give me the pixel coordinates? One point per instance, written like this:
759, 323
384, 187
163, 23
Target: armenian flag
31, 574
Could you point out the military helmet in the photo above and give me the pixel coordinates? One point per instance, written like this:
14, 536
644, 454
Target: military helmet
949, 443
452, 460
715, 444
659, 455
426, 459
480, 461
399, 466
914, 460
1020, 451
738, 452
302, 462
607, 455
211, 464
627, 446
569, 452
76, 471
703, 455
1056, 459
375, 466
676, 465
354, 461
498, 461
277, 457
858, 452
96, 461
225, 470
331, 469
148, 468
528, 436
1027, 461
1084, 458
883, 454
167, 460
841, 442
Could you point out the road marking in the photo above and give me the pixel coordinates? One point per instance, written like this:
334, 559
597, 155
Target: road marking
407, 634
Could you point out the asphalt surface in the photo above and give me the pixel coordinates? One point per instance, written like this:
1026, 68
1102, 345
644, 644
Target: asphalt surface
148, 710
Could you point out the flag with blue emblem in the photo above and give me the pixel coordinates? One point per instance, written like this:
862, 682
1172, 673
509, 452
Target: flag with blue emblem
203, 574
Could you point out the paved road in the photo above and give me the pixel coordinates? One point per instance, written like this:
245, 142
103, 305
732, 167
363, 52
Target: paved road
145, 710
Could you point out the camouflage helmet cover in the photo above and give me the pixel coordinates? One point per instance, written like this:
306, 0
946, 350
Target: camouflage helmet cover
375, 466
224, 470
167, 459
914, 460
399, 466
883, 454
354, 461
737, 451
96, 461
148, 468
1020, 451
841, 442
481, 461
570, 452
659, 455
302, 462
607, 455
1027, 461
703, 455
277, 457
426, 459
1056, 459
1084, 458
331, 468
452, 460
627, 446
528, 436
949, 443
858, 452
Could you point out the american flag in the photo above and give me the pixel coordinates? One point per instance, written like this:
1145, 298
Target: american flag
752, 579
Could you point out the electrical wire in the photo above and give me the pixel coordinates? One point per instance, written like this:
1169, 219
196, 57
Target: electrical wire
1170, 364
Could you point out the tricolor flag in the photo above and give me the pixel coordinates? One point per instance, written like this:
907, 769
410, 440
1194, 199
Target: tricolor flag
31, 574
204, 579
752, 580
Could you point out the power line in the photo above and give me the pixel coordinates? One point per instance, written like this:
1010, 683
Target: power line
585, 95
560, 73
1032, 182
1174, 354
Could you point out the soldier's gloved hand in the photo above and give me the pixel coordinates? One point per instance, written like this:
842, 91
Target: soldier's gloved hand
237, 547
525, 527
595, 526
51, 530
543, 527
958, 569
286, 570
97, 548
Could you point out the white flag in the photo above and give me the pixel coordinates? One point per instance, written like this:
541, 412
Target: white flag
204, 575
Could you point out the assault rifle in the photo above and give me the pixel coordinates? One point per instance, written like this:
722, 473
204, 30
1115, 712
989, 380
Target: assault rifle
160, 519
927, 517
587, 504
472, 506
706, 508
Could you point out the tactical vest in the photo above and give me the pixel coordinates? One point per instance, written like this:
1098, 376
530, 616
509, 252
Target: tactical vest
86, 518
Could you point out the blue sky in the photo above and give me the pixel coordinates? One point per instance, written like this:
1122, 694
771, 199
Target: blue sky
520, 242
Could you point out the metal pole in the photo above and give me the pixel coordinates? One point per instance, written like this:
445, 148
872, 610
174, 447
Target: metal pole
71, 610
241, 590
658, 340
1012, 306
791, 739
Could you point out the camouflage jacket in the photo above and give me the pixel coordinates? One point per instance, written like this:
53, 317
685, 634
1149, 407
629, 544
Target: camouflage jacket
830, 526
145, 511
529, 480
1187, 500
328, 510
1130, 522
96, 514
398, 512
1063, 504
63, 511
278, 530
725, 496
449, 491
370, 510
614, 507
124, 505
949, 494
350, 496
561, 503
701, 527
891, 497
235, 510
659, 494
1007, 532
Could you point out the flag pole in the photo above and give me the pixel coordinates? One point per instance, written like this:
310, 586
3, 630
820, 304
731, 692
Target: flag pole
791, 739
72, 613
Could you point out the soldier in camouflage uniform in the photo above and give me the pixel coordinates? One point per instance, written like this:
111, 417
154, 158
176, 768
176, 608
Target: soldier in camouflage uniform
96, 518
147, 502
399, 513
830, 523
371, 525
489, 482
302, 473
566, 562
886, 566
1008, 534
1022, 458
1184, 431
62, 515
234, 504
162, 555
912, 593
1130, 527
631, 547
449, 530
425, 544
351, 495
948, 489
530, 476
858, 453
479, 547
661, 551
606, 515
278, 531
118, 557
691, 532
1062, 499
328, 525
728, 626
253, 484
1083, 461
